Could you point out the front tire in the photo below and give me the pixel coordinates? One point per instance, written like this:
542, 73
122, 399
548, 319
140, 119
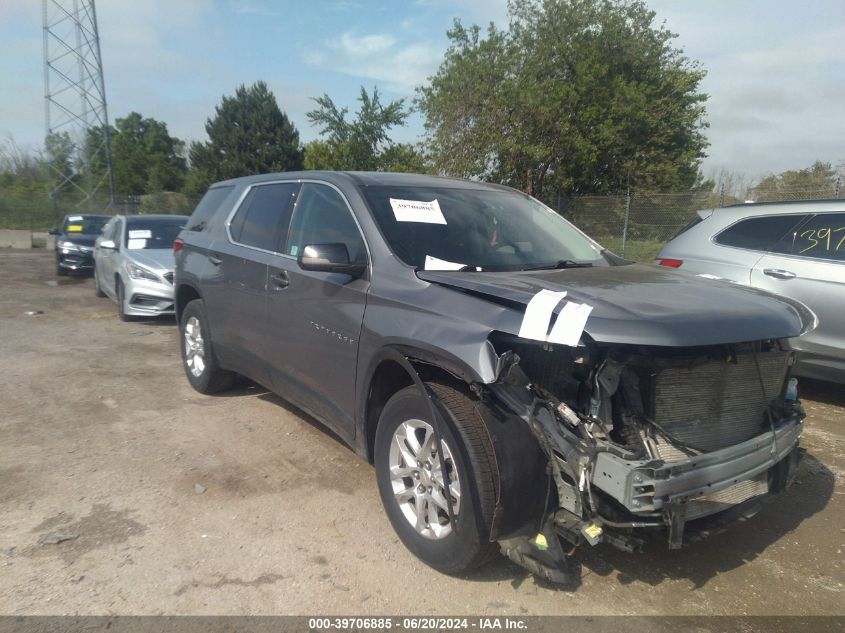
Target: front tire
201, 367
412, 486
97, 290
121, 302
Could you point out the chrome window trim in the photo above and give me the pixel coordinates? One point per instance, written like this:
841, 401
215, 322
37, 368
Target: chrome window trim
301, 181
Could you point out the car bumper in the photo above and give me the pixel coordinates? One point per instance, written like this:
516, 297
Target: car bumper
148, 298
75, 260
646, 487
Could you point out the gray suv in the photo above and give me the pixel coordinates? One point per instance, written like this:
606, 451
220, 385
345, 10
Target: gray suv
795, 249
516, 386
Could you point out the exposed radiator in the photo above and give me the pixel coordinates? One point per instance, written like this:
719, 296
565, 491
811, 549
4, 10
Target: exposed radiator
717, 404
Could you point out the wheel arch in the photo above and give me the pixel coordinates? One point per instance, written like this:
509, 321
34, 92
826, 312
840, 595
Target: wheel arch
185, 293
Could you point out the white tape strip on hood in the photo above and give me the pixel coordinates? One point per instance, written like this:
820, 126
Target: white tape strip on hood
538, 313
568, 327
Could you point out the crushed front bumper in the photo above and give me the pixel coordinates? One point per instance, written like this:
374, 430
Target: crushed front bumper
651, 486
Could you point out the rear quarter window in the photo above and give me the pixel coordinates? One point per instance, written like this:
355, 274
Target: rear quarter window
207, 207
759, 233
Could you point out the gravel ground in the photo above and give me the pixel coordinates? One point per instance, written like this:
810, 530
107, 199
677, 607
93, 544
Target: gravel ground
179, 503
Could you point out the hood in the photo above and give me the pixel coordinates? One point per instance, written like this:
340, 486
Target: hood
641, 304
159, 259
82, 239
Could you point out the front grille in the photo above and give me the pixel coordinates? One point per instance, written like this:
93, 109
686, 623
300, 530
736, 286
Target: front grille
717, 404
168, 277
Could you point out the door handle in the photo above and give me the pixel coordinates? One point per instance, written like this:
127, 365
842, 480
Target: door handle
215, 260
280, 279
777, 273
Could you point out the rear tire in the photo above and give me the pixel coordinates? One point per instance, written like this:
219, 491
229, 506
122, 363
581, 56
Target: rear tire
402, 444
201, 367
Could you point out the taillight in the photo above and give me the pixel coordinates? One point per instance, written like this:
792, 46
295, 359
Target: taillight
671, 263
177, 245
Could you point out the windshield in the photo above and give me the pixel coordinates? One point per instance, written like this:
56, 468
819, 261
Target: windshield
152, 235
84, 224
435, 228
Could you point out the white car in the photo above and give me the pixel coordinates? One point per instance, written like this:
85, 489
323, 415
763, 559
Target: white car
793, 249
133, 263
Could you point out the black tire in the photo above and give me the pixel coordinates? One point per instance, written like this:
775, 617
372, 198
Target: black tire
97, 290
468, 545
118, 290
213, 378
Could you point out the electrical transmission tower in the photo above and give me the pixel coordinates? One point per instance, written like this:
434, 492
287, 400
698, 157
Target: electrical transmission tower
77, 144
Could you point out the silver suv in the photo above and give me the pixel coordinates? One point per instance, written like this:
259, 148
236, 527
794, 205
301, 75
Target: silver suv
793, 249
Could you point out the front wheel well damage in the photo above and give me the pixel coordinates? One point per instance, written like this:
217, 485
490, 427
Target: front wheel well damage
389, 378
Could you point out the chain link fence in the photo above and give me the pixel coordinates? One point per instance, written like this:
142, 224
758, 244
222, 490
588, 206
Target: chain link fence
35, 211
637, 225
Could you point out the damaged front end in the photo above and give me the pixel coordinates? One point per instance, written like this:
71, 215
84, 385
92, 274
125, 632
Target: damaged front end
640, 440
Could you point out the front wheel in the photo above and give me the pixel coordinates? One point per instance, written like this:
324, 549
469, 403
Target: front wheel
97, 290
121, 302
412, 483
201, 367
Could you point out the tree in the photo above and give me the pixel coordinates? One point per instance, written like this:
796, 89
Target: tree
362, 143
248, 134
145, 158
60, 153
820, 180
575, 96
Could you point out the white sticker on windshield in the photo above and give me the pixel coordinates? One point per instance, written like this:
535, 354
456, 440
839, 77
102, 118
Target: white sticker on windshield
570, 324
538, 313
432, 263
417, 211
74, 218
136, 244
138, 233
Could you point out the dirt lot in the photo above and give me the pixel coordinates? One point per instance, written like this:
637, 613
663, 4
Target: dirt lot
188, 504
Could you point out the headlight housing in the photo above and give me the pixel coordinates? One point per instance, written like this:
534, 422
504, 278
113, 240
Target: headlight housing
67, 246
139, 272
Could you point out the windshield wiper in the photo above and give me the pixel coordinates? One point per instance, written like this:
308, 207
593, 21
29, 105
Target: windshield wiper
562, 263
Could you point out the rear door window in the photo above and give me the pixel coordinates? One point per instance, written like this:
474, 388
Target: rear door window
822, 237
760, 233
263, 218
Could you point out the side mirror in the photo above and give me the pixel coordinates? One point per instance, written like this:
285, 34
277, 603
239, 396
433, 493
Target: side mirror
329, 258
54, 231
108, 244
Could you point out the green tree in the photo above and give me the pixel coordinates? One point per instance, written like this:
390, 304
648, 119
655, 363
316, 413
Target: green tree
575, 96
248, 134
145, 158
60, 153
819, 180
362, 143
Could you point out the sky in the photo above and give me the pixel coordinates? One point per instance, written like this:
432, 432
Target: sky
776, 71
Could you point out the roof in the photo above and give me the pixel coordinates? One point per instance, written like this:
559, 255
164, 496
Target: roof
367, 179
156, 217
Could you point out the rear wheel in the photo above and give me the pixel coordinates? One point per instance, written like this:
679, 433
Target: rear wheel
201, 367
413, 486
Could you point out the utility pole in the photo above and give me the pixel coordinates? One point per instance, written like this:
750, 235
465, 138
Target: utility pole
76, 113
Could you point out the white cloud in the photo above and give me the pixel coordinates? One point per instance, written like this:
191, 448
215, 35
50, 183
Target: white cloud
401, 66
